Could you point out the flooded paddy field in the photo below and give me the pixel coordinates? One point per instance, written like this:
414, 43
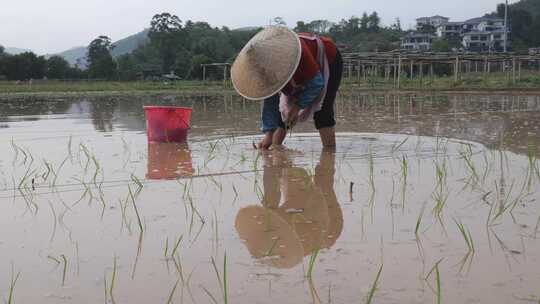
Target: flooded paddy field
426, 198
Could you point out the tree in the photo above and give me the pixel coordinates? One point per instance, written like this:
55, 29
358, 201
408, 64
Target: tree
57, 68
167, 35
100, 61
373, 22
24, 66
320, 26
196, 68
364, 22
127, 68
302, 27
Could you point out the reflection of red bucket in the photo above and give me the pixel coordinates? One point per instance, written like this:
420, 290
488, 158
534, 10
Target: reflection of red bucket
169, 161
167, 124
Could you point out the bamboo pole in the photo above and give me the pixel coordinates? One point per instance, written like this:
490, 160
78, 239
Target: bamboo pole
395, 72
224, 74
514, 70
399, 73
204, 73
519, 71
456, 70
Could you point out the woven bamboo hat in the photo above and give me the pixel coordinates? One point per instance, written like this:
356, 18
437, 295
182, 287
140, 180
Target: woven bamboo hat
266, 63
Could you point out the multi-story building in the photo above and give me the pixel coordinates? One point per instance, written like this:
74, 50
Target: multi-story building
417, 41
483, 34
434, 21
451, 31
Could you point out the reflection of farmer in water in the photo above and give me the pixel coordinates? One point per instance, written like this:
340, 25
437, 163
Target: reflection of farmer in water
299, 213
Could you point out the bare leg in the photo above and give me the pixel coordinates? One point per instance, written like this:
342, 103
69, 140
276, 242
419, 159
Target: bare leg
279, 137
328, 136
266, 142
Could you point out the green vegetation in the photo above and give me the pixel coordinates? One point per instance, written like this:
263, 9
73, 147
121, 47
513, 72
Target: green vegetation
524, 22
374, 286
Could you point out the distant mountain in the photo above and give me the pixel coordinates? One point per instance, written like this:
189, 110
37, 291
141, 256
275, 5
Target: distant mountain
121, 47
16, 51
74, 54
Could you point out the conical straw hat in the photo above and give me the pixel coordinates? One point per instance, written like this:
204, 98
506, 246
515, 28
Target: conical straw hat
267, 63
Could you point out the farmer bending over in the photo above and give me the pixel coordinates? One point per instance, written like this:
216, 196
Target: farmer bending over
297, 75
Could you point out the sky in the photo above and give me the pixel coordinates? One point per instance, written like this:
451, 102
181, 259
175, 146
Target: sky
51, 26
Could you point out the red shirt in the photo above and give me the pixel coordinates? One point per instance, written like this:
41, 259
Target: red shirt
309, 66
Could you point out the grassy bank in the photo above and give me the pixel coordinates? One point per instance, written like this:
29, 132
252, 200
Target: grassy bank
469, 82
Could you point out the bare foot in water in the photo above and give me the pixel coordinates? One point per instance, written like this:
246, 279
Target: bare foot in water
266, 142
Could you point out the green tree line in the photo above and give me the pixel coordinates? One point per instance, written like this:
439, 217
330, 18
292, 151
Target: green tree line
181, 48
28, 65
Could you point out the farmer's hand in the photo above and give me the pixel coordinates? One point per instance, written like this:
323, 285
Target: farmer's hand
293, 115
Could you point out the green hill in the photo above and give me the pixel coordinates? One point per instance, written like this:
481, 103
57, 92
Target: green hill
532, 6
122, 46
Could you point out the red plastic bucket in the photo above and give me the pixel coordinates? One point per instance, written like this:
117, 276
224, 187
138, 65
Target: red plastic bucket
167, 124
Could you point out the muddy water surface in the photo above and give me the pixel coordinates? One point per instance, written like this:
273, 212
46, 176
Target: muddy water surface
439, 192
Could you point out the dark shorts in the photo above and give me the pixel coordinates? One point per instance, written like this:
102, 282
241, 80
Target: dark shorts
325, 118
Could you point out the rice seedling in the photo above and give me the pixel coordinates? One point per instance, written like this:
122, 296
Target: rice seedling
235, 191
435, 270
87, 154
105, 287
69, 144
113, 280
469, 163
209, 295
374, 286
137, 255
397, 145
487, 166
176, 244
312, 260
137, 182
97, 167
77, 258
440, 194
141, 229
531, 170
371, 170
52, 258
166, 248
505, 203
218, 185
14, 279
222, 280
419, 221
466, 235
53, 233
64, 271
57, 173
270, 250
171, 294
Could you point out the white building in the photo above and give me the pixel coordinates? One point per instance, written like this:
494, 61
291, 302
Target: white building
484, 34
417, 41
434, 21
